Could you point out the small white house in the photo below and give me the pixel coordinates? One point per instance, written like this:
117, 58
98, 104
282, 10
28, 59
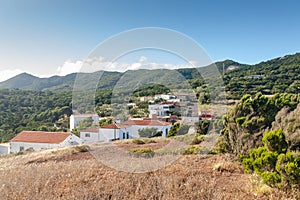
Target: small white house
76, 118
129, 129
161, 109
37, 140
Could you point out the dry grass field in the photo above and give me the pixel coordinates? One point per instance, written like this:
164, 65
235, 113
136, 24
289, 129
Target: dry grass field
72, 173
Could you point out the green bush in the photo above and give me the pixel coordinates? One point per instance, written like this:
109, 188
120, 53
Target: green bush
142, 152
274, 168
174, 129
202, 126
275, 141
191, 150
271, 178
198, 139
288, 165
138, 141
82, 148
149, 132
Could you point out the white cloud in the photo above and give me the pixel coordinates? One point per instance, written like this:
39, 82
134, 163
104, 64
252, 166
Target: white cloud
142, 59
9, 73
69, 67
193, 62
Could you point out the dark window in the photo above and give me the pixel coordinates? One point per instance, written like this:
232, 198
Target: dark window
87, 135
21, 148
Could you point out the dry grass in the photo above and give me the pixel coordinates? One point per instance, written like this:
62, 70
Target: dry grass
65, 174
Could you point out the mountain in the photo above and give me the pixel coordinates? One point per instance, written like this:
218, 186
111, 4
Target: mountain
277, 75
128, 79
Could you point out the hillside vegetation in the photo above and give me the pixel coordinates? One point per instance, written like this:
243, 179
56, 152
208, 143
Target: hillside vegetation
265, 133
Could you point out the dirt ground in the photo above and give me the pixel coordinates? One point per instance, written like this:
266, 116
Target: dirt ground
71, 174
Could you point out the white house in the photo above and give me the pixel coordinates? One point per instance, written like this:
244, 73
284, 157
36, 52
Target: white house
125, 130
76, 118
37, 140
164, 96
161, 109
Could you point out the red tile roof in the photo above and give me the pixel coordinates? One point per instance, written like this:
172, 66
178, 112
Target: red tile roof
111, 126
41, 137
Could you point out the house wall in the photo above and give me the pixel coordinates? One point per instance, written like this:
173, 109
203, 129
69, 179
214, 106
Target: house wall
107, 135
133, 130
4, 149
69, 141
93, 137
15, 146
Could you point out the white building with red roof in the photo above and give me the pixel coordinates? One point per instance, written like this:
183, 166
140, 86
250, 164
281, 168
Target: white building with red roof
37, 140
125, 130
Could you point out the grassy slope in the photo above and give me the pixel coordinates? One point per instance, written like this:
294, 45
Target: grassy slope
70, 174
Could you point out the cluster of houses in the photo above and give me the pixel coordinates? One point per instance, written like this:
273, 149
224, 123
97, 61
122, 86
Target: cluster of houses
160, 119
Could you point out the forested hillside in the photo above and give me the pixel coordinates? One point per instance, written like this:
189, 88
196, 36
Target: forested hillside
46, 103
33, 110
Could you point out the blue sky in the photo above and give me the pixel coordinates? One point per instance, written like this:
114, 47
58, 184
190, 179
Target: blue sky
45, 37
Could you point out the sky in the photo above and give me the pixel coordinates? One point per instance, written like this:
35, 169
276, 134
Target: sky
55, 37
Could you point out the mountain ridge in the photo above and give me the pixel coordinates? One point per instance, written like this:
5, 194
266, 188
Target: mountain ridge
234, 74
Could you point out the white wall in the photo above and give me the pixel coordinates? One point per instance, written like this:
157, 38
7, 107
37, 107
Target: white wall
69, 141
133, 130
107, 135
4, 149
94, 137
15, 146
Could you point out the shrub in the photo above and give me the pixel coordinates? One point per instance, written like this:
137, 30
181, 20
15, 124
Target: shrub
82, 148
191, 150
174, 129
149, 132
202, 126
271, 178
142, 152
197, 139
272, 167
138, 141
275, 141
288, 165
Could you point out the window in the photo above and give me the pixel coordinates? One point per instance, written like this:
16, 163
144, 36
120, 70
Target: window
127, 135
124, 135
21, 148
87, 135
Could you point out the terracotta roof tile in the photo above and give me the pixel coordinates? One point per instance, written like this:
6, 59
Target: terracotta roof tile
111, 126
41, 137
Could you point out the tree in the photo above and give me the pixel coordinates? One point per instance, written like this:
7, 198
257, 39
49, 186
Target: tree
105, 121
86, 123
76, 132
174, 129
202, 126
149, 132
